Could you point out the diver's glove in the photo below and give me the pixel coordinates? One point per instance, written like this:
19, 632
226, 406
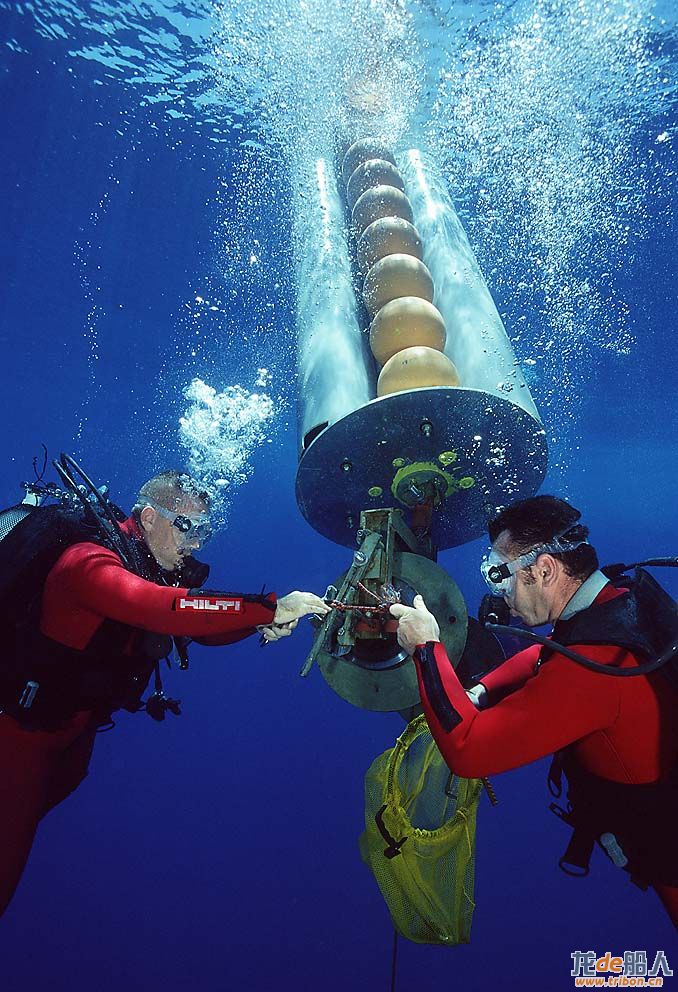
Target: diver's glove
275, 631
296, 605
416, 624
478, 696
289, 610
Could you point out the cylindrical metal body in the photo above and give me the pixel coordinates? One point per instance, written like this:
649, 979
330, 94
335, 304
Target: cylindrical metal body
476, 340
336, 369
477, 445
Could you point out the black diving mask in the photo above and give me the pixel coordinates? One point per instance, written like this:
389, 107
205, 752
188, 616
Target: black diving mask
194, 530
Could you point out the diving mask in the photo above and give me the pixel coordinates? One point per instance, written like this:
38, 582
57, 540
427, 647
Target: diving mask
500, 574
194, 530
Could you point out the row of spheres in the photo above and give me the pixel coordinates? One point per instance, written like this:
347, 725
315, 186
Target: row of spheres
407, 332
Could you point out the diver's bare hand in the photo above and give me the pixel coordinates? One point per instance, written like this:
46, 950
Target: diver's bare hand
295, 605
416, 624
274, 632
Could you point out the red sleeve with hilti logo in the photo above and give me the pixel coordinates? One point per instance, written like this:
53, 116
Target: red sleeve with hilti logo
89, 584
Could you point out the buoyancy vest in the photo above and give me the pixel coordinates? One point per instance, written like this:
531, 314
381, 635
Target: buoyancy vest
110, 673
638, 824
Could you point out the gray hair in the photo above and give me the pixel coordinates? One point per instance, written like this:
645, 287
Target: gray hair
170, 488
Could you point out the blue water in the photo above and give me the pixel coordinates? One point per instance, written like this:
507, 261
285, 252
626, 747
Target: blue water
148, 159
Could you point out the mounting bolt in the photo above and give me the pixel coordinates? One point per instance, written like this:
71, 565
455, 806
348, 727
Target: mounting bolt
346, 465
359, 558
426, 428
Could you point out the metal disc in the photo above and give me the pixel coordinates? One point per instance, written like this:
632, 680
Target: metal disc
386, 689
493, 451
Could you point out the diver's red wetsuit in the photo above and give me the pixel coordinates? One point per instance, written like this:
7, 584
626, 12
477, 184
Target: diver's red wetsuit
597, 718
86, 586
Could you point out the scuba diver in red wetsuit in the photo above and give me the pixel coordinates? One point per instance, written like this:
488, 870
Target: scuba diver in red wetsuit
91, 603
614, 738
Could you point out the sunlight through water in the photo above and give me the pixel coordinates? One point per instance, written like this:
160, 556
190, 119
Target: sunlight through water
548, 118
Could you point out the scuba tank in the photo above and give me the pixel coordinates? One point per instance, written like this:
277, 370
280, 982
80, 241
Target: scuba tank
35, 532
15, 514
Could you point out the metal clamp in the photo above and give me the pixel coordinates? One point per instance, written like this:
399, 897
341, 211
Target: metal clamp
361, 562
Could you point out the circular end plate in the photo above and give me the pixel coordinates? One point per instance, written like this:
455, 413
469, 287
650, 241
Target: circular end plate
388, 689
493, 451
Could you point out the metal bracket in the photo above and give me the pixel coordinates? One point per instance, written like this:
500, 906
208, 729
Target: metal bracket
362, 559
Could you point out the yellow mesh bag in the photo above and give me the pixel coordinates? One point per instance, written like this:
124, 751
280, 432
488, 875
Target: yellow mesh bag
419, 839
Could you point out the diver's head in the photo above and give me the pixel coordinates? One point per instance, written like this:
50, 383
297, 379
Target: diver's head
540, 555
173, 512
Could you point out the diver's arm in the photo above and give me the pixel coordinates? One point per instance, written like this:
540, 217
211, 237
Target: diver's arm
289, 611
88, 583
560, 705
511, 674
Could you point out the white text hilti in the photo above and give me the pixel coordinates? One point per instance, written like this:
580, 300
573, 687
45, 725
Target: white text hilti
230, 605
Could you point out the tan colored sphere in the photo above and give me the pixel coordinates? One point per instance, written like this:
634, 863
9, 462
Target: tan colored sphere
363, 150
416, 368
407, 322
380, 201
388, 236
374, 172
394, 276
